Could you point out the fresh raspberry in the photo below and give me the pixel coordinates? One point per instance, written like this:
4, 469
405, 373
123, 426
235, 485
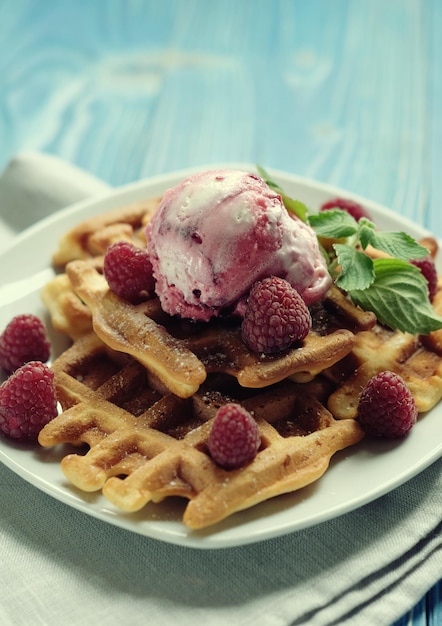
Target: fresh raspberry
275, 316
128, 271
428, 269
27, 401
24, 339
355, 209
234, 438
386, 407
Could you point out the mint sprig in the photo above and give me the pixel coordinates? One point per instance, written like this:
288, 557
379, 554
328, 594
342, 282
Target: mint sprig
337, 224
399, 297
394, 289
356, 269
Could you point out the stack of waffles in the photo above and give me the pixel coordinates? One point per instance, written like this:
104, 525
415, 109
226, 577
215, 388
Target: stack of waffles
139, 389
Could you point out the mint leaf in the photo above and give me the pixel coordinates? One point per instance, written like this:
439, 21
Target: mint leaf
399, 245
394, 289
268, 180
367, 233
296, 207
333, 224
399, 297
356, 268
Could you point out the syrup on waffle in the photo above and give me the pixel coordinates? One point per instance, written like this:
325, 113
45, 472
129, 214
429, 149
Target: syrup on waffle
145, 445
181, 354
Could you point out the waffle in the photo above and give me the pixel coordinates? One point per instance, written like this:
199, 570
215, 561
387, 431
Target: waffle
139, 389
181, 354
417, 359
144, 444
89, 240
92, 237
68, 313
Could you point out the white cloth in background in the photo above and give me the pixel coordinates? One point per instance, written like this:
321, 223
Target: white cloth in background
61, 566
34, 185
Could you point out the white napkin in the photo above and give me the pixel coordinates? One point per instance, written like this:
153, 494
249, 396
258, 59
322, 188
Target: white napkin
62, 566
34, 185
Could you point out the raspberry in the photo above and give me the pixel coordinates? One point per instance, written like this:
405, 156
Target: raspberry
428, 269
355, 209
128, 271
275, 316
386, 407
24, 339
234, 438
27, 401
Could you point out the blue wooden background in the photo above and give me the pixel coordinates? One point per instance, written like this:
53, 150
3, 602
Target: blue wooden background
345, 91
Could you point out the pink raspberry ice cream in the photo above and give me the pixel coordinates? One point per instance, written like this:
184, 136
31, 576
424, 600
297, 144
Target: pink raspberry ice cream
216, 233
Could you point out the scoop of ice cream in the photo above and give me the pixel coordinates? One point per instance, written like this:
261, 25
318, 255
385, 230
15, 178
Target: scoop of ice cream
216, 233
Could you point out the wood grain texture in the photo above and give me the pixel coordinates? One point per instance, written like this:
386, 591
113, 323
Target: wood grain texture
345, 91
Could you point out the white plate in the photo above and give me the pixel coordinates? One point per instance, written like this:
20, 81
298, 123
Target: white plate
356, 476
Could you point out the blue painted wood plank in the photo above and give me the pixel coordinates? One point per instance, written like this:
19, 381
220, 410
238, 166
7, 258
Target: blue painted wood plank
161, 103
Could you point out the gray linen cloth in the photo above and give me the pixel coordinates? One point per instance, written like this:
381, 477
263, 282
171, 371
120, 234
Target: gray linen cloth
59, 565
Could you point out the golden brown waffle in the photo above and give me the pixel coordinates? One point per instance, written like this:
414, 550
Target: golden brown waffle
69, 314
90, 240
433, 341
92, 237
181, 354
416, 358
142, 389
145, 445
